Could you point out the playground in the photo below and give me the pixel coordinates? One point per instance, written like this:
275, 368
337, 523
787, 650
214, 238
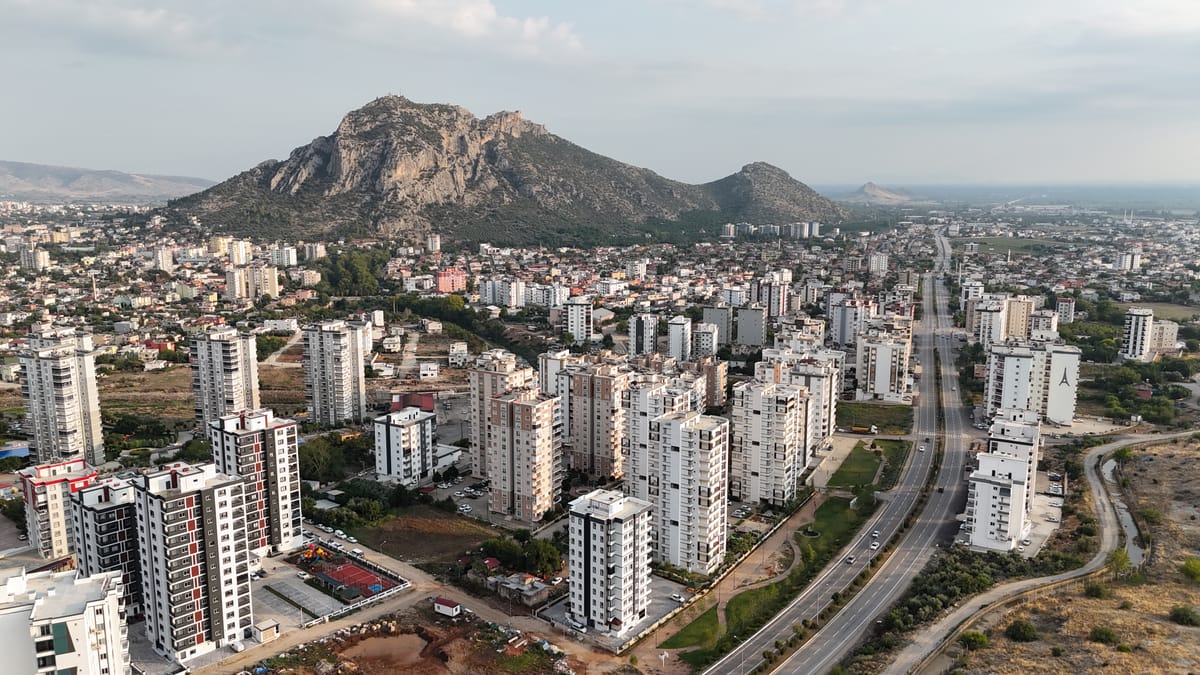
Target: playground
342, 575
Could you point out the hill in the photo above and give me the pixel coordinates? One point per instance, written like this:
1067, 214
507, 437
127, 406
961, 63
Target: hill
870, 193
20, 181
402, 168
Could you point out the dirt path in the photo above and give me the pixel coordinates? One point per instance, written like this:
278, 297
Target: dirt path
273, 359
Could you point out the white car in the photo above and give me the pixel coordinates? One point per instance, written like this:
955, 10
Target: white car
921, 449
874, 546
459, 494
677, 597
556, 581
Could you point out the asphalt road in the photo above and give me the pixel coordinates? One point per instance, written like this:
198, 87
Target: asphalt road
824, 650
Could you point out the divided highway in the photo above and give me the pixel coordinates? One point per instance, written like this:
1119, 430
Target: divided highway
830, 644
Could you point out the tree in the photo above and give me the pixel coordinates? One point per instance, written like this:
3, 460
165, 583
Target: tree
1104, 635
522, 535
541, 557
1118, 562
568, 337
1021, 631
973, 640
1191, 569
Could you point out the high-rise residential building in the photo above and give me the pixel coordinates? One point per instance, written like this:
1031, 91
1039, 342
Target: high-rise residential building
1018, 313
635, 270
819, 371
496, 372
524, 453
1000, 491
1136, 339
508, 293
164, 259
704, 340
1066, 310
721, 316
847, 318
192, 544
609, 561
433, 242
1039, 376
33, 258
1163, 336
404, 446
63, 623
284, 256
679, 338
593, 419
715, 373
881, 366
688, 485
315, 251
62, 404
1043, 325
577, 318
251, 282
768, 452
752, 325
335, 388
240, 252
643, 334
105, 536
46, 490
264, 450
772, 293
735, 295
991, 320
877, 264
1131, 261
224, 373
971, 289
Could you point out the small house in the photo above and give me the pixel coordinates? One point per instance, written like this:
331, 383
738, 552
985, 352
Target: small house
447, 607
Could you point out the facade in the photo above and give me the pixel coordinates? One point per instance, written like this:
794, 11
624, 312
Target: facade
1000, 492
819, 372
524, 453
847, 318
335, 387
768, 452
63, 623
991, 321
284, 256
882, 366
704, 340
1066, 310
643, 334
594, 421
105, 535
1037, 376
1018, 313
62, 404
752, 325
577, 318
450, 280
679, 338
721, 316
224, 373
405, 446
877, 264
1136, 339
192, 544
1043, 325
609, 561
496, 372
264, 450
46, 489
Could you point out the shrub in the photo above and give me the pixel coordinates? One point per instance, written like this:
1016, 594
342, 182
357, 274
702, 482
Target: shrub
1185, 616
1125, 604
1056, 651
1021, 631
1095, 589
1125, 647
1191, 569
1104, 635
973, 640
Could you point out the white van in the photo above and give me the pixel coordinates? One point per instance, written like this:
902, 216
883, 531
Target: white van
356, 551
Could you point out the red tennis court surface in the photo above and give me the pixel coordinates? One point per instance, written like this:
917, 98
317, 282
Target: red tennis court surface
367, 582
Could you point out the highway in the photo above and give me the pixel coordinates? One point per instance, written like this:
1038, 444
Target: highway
824, 649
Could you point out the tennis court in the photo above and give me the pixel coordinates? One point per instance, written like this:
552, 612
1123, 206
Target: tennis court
351, 574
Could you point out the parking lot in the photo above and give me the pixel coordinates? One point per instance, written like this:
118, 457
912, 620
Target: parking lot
285, 581
661, 604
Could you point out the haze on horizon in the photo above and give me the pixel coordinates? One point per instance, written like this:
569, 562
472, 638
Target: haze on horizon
833, 91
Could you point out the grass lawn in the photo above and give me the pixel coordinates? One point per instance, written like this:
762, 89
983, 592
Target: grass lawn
891, 419
895, 452
858, 468
701, 632
531, 660
1163, 310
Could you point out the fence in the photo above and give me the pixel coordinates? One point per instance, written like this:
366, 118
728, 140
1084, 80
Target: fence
401, 585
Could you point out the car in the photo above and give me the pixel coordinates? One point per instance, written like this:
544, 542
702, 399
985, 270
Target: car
460, 494
875, 534
339, 534
874, 546
352, 540
1026, 542
443, 486
356, 551
1020, 549
304, 575
921, 449
464, 508
850, 559
677, 597
23, 537
556, 581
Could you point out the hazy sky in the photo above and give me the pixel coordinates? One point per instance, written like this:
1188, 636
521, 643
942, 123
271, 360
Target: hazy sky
897, 91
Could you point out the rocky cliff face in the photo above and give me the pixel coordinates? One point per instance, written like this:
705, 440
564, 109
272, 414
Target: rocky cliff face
400, 167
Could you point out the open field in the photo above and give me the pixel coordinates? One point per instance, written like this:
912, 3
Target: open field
891, 419
700, 633
281, 388
1014, 244
166, 394
859, 468
425, 534
1163, 310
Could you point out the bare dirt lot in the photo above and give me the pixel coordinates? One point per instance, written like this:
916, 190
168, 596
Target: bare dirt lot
1162, 483
425, 534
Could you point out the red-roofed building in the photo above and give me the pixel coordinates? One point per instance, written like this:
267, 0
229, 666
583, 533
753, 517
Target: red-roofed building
447, 607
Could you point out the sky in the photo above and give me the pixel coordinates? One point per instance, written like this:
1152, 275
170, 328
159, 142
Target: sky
833, 91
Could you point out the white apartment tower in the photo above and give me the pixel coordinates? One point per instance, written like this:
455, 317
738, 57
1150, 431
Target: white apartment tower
643, 334
593, 418
1136, 339
609, 561
882, 366
240, 252
679, 338
404, 446
645, 400
263, 450
62, 404
335, 387
524, 449
63, 623
1000, 492
991, 321
46, 489
704, 340
577, 318
721, 316
105, 534
819, 372
1042, 377
768, 450
1066, 310
496, 372
192, 543
224, 373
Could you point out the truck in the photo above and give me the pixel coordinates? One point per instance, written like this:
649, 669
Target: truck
865, 430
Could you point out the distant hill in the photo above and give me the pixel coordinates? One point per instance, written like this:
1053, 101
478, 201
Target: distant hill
20, 181
870, 193
403, 168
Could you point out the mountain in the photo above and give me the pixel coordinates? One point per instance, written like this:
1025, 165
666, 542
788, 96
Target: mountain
870, 193
20, 181
399, 167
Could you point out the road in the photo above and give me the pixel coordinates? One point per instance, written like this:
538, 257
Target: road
273, 359
925, 642
894, 576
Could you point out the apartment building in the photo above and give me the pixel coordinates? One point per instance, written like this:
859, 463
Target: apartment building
609, 561
263, 449
679, 338
46, 490
496, 372
1066, 310
195, 559
768, 452
524, 453
335, 387
1038, 376
1000, 491
643, 334
1136, 338
1043, 325
752, 325
991, 320
704, 340
721, 316
224, 373
648, 398
577, 318
847, 318
404, 446
1018, 312
105, 535
819, 371
56, 623
62, 404
593, 420
881, 366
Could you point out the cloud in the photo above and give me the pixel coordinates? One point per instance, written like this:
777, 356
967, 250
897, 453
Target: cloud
112, 25
480, 20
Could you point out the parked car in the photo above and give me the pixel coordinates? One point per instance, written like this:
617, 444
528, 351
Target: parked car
459, 495
677, 597
303, 575
556, 581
